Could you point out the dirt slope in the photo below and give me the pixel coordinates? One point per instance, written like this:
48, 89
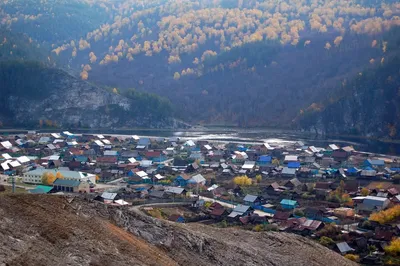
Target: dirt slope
50, 230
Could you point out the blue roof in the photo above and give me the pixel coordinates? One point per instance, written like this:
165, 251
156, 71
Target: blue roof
288, 202
396, 169
66, 182
294, 164
144, 141
265, 158
352, 170
368, 168
375, 162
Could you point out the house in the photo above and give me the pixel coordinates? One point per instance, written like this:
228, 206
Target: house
218, 213
368, 172
373, 204
339, 155
288, 172
240, 210
293, 183
374, 163
288, 204
108, 197
35, 176
252, 200
175, 190
264, 160
322, 189
106, 160
281, 216
197, 179
248, 165
193, 167
344, 248
65, 185
157, 194
291, 158
293, 165
40, 189
181, 180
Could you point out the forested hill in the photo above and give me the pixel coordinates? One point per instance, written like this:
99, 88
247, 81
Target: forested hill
367, 105
245, 63
35, 95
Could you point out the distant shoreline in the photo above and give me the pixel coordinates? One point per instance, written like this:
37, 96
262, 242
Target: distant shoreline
214, 128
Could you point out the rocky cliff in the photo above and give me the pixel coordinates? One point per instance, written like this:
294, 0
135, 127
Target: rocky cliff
34, 94
369, 106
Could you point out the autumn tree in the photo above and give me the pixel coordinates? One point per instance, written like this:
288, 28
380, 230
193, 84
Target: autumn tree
242, 180
177, 76
48, 178
364, 192
393, 248
59, 175
258, 178
386, 216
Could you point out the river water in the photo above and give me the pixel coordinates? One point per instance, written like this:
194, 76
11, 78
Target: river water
278, 137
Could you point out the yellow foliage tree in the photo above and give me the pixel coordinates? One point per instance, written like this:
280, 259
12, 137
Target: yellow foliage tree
115, 90
177, 76
386, 216
242, 180
258, 178
48, 178
365, 192
394, 248
59, 176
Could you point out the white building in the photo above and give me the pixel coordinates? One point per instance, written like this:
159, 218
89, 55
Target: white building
35, 176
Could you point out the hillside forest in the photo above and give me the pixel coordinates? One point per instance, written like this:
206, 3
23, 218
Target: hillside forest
286, 63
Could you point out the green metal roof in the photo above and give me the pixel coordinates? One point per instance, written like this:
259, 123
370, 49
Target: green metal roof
41, 189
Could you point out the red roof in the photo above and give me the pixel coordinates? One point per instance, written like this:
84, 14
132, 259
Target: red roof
108, 159
218, 211
152, 154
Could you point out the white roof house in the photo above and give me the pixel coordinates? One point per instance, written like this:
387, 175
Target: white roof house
100, 136
132, 160
142, 174
99, 143
15, 164
208, 147
6, 156
67, 133
23, 159
6, 144
198, 179
248, 165
158, 176
333, 147
106, 141
55, 135
5, 166
291, 158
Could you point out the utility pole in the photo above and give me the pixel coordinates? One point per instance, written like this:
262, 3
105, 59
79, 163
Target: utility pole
13, 184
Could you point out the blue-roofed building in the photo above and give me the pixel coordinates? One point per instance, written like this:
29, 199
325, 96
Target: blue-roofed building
288, 204
374, 163
293, 165
352, 171
81, 158
181, 180
264, 160
144, 142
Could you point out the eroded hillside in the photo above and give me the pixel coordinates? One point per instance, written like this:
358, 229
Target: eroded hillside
55, 230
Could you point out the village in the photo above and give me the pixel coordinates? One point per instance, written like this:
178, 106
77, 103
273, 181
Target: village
347, 200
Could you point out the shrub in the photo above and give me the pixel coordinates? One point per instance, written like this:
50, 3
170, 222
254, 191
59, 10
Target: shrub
258, 228
299, 213
352, 257
207, 204
326, 241
271, 227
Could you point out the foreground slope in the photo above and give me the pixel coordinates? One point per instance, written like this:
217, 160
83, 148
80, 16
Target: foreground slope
45, 230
